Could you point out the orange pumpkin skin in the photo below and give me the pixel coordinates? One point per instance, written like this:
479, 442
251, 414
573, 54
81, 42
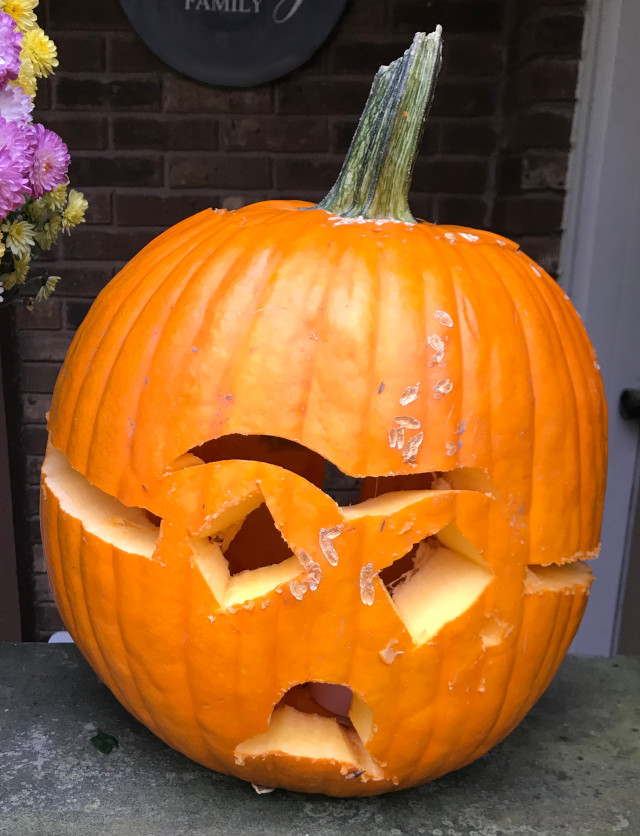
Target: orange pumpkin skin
272, 321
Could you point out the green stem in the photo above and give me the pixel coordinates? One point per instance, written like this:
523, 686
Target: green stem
376, 175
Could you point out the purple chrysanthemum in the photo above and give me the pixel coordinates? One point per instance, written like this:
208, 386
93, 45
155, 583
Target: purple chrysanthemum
49, 164
10, 46
15, 104
13, 184
19, 139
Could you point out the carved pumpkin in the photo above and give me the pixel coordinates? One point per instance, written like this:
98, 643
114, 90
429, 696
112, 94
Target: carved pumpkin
243, 614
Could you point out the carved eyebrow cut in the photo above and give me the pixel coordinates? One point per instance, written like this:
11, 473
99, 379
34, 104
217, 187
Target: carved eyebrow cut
343, 489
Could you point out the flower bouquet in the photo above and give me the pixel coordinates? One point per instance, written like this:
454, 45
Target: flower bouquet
36, 204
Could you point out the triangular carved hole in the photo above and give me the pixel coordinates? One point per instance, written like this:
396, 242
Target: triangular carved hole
435, 582
253, 543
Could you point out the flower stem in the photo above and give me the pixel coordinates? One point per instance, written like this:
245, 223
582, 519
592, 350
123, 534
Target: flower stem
376, 175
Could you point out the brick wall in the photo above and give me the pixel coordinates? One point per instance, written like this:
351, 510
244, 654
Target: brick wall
542, 73
149, 147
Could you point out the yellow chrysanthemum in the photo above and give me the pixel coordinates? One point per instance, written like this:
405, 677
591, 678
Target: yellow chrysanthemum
22, 12
36, 209
2, 248
19, 237
47, 288
56, 198
26, 77
74, 211
18, 274
40, 50
48, 235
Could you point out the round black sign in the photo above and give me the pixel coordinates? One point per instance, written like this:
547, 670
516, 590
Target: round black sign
236, 43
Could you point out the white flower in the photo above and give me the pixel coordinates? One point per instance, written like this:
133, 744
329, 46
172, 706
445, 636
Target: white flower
15, 104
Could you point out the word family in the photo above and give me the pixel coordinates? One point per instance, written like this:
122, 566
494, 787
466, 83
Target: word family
284, 9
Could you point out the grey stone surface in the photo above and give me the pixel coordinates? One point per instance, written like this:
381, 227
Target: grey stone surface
572, 768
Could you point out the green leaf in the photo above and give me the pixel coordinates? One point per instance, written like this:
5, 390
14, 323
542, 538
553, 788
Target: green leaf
104, 742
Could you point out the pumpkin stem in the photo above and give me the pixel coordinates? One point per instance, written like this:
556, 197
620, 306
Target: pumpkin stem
376, 175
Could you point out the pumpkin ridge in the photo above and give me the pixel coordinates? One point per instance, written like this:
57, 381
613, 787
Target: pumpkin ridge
315, 359
103, 346
57, 570
268, 288
574, 418
580, 347
507, 294
86, 621
143, 710
198, 277
129, 336
61, 435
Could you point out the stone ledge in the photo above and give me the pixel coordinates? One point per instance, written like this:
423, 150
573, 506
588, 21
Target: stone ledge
572, 768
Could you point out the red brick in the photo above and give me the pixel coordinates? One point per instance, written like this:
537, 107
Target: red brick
103, 170
307, 172
181, 133
43, 97
99, 211
544, 127
423, 206
112, 94
42, 589
218, 171
108, 244
38, 563
75, 312
463, 211
185, 96
472, 56
34, 407
476, 16
468, 137
451, 175
365, 57
43, 345
47, 620
34, 437
42, 317
274, 133
544, 170
360, 18
127, 53
84, 53
551, 32
38, 377
547, 79
77, 15
322, 96
81, 133
32, 500
158, 210
85, 280
544, 249
33, 466
535, 214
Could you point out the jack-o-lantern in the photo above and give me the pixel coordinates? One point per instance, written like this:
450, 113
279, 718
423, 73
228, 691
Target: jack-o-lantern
260, 625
